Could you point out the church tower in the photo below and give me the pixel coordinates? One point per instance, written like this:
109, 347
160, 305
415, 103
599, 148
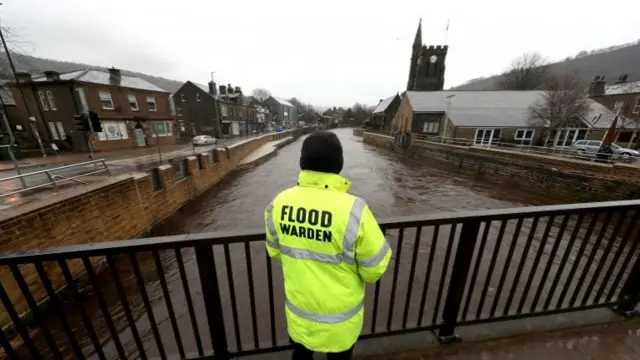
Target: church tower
426, 72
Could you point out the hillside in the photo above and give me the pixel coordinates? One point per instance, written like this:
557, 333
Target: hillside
38, 65
610, 64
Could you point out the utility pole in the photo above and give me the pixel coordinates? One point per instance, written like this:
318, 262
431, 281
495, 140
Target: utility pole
215, 106
13, 71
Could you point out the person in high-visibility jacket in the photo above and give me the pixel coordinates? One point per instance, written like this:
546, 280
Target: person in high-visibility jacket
329, 244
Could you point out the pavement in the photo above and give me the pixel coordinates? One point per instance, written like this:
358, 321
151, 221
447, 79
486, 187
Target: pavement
264, 151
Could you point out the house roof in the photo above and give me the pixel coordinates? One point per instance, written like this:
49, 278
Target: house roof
6, 94
624, 88
383, 105
492, 108
282, 101
95, 76
601, 116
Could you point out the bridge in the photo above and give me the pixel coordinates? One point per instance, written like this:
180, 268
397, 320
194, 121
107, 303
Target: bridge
199, 288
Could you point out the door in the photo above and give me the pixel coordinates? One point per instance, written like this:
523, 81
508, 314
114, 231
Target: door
140, 140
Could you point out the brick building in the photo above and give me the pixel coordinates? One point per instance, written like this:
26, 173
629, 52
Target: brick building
382, 116
219, 112
133, 112
623, 97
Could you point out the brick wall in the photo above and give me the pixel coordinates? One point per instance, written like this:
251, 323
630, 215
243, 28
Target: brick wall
123, 207
567, 179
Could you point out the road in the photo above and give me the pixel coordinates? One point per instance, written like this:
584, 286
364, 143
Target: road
117, 163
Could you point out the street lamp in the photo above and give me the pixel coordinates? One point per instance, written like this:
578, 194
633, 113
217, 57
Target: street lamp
444, 131
215, 106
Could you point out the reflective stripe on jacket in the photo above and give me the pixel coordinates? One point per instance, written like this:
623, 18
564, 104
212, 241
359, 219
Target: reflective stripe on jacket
329, 244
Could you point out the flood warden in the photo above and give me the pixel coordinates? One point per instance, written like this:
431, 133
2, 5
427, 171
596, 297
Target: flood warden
329, 244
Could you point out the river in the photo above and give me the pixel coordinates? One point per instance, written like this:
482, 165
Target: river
392, 186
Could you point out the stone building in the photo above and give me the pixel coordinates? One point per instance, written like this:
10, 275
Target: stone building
623, 97
426, 72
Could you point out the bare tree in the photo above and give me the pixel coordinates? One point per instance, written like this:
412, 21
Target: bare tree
260, 95
563, 104
526, 72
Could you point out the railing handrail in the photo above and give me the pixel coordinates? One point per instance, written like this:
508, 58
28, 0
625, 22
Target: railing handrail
53, 169
235, 236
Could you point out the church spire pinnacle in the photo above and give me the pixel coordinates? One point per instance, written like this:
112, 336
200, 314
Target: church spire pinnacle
418, 40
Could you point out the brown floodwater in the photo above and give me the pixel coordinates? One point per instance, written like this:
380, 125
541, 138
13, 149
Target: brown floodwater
393, 186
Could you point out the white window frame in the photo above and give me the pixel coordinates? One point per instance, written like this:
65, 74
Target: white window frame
54, 132
135, 101
102, 100
223, 110
166, 128
52, 103
636, 108
61, 130
122, 133
618, 105
431, 127
152, 99
43, 100
198, 97
524, 137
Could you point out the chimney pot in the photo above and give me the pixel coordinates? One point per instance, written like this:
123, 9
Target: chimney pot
223, 90
596, 88
52, 75
23, 76
212, 88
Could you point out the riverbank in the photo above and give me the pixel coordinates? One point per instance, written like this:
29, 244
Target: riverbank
122, 207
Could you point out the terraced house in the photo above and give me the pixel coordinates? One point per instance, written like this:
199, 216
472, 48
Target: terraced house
133, 113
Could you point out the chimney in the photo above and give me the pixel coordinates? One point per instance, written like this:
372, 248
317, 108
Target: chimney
596, 87
223, 90
212, 88
622, 79
114, 75
230, 89
52, 75
23, 77
238, 90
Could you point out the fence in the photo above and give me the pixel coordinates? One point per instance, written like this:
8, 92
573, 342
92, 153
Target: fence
148, 297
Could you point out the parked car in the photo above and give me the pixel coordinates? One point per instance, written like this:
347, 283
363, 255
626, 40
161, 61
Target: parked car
590, 148
203, 140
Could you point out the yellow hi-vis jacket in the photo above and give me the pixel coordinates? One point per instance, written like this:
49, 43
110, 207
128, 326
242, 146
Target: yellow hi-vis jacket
329, 244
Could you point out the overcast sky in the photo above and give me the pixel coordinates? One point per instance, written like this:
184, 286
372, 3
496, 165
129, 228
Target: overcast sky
325, 52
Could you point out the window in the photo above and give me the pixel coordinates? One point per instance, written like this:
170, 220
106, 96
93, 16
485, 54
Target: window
43, 101
223, 110
61, 130
636, 108
161, 129
197, 97
178, 111
133, 102
51, 102
113, 130
182, 97
105, 100
566, 137
83, 99
151, 103
54, 133
430, 127
617, 106
524, 134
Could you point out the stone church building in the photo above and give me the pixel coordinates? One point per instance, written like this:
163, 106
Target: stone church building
426, 72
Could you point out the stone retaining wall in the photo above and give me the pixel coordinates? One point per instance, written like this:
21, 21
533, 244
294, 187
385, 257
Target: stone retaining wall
122, 207
567, 179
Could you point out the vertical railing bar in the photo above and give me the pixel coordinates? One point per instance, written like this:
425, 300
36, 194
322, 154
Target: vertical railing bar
563, 262
232, 296
621, 246
523, 260
552, 255
445, 269
416, 246
8, 349
187, 296
603, 259
272, 312
252, 296
376, 298
103, 307
83, 312
492, 265
536, 263
125, 306
427, 276
37, 317
147, 304
57, 306
396, 269
581, 249
476, 268
208, 275
592, 255
505, 269
18, 323
623, 268
168, 302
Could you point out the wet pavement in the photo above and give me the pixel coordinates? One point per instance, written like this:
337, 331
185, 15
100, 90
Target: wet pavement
392, 186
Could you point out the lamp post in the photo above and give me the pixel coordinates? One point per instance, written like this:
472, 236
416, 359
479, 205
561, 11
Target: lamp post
215, 106
444, 131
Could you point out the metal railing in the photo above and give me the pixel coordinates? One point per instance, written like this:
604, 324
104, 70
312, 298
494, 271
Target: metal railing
53, 179
217, 295
522, 146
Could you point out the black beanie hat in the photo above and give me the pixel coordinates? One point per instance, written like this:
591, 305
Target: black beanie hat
322, 152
